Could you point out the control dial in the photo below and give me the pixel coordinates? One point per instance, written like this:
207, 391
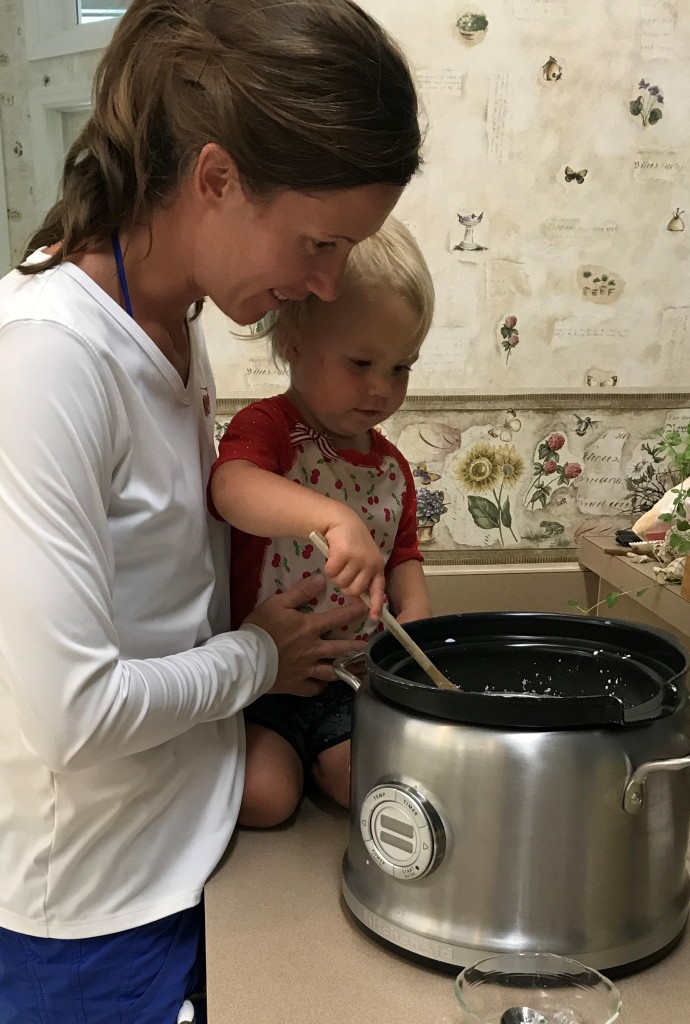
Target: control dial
402, 831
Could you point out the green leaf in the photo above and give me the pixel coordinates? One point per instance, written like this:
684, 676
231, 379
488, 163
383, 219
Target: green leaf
655, 115
544, 450
537, 467
505, 514
639, 593
683, 525
636, 106
484, 512
612, 598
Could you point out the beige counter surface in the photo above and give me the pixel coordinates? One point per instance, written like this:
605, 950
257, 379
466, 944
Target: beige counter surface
281, 948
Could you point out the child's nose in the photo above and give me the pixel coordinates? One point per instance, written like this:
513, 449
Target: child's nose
379, 385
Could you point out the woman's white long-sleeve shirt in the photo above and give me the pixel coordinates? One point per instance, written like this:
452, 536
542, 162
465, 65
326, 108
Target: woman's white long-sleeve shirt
121, 751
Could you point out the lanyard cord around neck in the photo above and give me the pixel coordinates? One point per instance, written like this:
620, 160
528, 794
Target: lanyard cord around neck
115, 238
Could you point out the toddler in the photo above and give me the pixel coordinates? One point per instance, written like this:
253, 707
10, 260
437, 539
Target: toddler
310, 459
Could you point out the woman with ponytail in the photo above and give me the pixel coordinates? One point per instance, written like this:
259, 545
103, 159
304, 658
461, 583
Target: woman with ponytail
236, 150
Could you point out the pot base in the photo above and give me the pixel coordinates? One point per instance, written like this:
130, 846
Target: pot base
450, 958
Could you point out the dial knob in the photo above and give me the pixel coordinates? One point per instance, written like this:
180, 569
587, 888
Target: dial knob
402, 831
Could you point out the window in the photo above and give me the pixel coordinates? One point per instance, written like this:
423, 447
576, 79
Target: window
56, 27
89, 11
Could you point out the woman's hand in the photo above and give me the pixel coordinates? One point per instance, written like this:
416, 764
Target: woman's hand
355, 562
305, 659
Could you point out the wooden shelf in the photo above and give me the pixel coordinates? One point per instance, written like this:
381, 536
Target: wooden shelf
661, 604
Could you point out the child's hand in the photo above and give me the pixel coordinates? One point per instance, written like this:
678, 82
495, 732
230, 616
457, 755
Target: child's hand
355, 563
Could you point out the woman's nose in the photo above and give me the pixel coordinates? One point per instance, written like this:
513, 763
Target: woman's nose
326, 281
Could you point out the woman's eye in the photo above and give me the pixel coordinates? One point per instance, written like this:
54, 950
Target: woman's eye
361, 363
403, 369
322, 245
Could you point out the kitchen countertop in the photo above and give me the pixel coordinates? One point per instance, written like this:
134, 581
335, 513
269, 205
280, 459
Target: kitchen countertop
282, 949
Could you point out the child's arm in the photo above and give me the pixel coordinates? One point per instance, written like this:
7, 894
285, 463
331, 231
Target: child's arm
407, 592
268, 505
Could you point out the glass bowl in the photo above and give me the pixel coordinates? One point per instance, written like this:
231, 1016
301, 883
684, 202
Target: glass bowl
504, 989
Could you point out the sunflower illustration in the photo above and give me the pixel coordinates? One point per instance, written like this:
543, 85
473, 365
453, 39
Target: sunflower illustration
479, 470
511, 465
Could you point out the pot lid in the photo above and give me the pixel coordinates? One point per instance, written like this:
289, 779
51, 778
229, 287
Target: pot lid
534, 671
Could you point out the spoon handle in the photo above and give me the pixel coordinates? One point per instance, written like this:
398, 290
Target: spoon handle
401, 635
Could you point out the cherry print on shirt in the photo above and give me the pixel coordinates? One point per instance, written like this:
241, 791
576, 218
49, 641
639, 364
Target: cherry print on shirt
305, 552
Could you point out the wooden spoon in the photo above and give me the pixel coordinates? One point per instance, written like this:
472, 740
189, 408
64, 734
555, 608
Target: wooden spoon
393, 626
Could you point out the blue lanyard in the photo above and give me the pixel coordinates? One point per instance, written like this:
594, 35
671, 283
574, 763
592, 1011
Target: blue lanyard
115, 238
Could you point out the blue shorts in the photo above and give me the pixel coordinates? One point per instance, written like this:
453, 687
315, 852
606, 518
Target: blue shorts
139, 976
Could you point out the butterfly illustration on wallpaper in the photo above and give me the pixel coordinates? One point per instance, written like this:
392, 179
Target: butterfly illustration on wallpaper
505, 430
425, 475
578, 176
599, 380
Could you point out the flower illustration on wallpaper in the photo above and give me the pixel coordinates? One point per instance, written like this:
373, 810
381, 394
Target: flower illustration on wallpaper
676, 222
488, 467
472, 26
548, 473
431, 506
648, 103
552, 70
510, 337
469, 221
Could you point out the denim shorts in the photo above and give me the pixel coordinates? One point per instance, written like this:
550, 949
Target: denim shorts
309, 724
138, 976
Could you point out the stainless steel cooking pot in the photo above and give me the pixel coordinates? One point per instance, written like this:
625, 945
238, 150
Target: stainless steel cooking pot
544, 806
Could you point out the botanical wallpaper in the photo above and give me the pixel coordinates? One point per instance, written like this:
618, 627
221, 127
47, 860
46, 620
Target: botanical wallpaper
498, 484
552, 211
554, 203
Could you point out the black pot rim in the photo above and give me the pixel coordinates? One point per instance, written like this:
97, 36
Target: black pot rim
652, 654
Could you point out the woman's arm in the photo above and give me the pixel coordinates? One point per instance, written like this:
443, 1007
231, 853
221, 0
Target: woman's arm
407, 591
268, 505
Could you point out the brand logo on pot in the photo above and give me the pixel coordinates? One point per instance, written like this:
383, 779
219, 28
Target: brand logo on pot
434, 950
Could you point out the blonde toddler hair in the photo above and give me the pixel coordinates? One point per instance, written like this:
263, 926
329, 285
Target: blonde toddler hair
390, 258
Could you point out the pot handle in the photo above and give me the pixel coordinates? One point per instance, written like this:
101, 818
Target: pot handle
342, 670
633, 795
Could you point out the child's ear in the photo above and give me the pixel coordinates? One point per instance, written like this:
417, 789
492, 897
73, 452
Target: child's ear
287, 340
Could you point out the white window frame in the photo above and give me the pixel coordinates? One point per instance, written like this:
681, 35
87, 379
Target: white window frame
5, 256
46, 107
46, 35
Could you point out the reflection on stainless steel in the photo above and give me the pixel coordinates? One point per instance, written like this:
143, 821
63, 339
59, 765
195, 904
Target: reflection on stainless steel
530, 847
